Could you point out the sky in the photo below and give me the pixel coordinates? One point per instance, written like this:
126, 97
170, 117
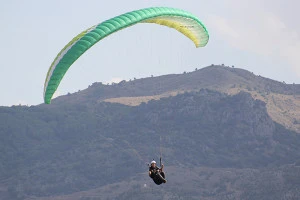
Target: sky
259, 36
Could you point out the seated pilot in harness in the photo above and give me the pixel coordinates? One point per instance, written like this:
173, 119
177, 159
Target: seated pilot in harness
157, 173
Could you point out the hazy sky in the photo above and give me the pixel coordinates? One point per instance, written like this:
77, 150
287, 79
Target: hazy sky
260, 36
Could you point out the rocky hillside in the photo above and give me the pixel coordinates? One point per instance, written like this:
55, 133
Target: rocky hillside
283, 100
202, 183
214, 146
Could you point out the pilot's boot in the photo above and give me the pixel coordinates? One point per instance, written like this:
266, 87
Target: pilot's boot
162, 178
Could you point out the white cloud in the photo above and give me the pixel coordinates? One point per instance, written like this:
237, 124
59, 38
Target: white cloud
259, 30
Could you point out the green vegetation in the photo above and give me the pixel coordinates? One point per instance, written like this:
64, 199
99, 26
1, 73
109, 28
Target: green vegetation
65, 148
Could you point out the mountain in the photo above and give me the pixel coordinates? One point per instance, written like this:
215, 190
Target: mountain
283, 100
95, 144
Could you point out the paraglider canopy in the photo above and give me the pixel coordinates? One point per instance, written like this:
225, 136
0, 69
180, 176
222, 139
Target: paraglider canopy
180, 20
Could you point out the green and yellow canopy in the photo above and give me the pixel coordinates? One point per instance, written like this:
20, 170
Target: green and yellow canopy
182, 21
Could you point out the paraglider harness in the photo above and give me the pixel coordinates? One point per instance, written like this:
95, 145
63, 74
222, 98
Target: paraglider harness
157, 174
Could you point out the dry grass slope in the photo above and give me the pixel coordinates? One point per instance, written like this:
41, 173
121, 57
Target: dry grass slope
283, 108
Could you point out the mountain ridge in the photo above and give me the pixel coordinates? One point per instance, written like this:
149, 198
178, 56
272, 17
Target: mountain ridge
210, 77
53, 151
218, 137
283, 100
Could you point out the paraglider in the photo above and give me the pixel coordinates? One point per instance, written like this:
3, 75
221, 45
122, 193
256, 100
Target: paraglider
180, 20
157, 173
